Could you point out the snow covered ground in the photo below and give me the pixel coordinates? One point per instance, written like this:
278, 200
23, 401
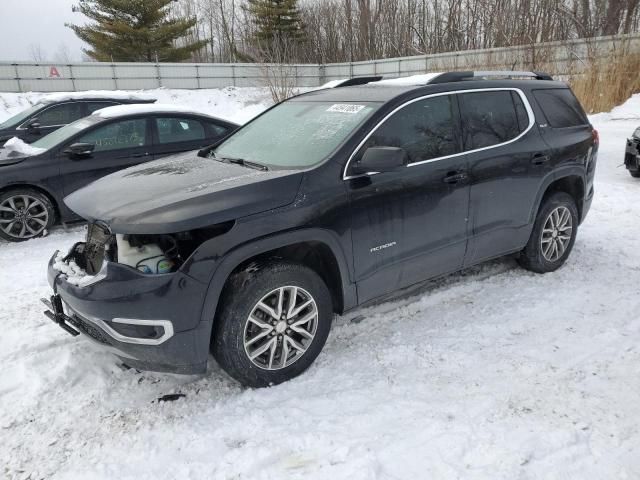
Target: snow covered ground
493, 373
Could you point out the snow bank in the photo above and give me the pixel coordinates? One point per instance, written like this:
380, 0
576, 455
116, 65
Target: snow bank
17, 145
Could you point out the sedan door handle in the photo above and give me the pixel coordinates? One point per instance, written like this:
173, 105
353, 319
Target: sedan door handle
138, 155
455, 177
540, 158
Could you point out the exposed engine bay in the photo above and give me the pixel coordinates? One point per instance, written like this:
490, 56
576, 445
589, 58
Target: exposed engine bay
149, 254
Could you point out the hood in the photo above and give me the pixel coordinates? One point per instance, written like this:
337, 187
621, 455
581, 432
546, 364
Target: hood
182, 192
10, 157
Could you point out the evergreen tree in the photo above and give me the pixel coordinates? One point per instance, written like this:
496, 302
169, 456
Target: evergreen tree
276, 20
134, 30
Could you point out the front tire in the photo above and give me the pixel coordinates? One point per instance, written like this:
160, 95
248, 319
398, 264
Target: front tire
553, 235
24, 214
272, 324
635, 174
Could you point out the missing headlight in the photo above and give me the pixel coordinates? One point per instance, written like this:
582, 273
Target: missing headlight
163, 253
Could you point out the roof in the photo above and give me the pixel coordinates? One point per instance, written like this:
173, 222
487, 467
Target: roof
361, 93
97, 95
388, 89
142, 108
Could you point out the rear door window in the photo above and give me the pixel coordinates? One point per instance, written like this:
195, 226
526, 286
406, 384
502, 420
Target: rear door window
426, 129
61, 114
118, 135
179, 129
491, 117
217, 130
561, 107
93, 106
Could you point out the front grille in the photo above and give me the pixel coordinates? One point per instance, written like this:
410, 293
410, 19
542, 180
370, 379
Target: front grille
90, 329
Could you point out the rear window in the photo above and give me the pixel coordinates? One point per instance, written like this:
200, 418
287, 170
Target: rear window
490, 118
561, 107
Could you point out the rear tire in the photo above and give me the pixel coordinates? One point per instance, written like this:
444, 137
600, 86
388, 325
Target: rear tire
261, 337
24, 214
635, 174
554, 233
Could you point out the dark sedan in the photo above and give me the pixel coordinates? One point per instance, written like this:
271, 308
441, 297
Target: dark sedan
632, 154
35, 178
57, 110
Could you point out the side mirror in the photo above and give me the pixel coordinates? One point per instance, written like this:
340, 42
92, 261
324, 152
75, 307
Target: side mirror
34, 125
381, 159
80, 150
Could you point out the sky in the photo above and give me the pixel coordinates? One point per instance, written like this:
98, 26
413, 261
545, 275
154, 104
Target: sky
40, 23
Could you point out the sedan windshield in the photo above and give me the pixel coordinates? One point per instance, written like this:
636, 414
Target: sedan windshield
296, 134
17, 119
58, 136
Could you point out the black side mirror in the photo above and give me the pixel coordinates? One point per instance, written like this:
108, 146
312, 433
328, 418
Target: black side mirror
381, 159
80, 150
34, 125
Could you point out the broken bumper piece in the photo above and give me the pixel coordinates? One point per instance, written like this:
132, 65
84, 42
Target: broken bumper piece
143, 319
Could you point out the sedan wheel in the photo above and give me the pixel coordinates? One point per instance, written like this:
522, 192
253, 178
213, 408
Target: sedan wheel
24, 215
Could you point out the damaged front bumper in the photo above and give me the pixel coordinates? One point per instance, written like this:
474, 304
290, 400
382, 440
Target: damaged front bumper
151, 322
632, 153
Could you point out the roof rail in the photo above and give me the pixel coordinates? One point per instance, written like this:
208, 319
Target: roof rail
359, 81
471, 75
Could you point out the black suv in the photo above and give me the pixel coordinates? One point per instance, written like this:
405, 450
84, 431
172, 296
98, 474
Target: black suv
329, 200
57, 110
632, 154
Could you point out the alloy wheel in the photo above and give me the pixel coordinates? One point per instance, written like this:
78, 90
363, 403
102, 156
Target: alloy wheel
23, 216
280, 328
556, 234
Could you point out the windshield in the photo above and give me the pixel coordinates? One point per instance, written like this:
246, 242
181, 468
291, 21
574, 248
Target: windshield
296, 134
58, 136
17, 119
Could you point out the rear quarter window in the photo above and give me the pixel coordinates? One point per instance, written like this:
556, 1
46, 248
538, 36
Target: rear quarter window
560, 107
491, 118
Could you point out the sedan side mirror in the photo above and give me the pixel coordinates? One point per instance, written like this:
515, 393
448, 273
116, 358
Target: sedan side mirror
80, 150
381, 159
34, 125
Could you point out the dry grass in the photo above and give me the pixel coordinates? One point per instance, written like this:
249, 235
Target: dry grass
606, 83
600, 78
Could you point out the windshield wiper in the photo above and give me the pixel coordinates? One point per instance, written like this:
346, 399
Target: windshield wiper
243, 162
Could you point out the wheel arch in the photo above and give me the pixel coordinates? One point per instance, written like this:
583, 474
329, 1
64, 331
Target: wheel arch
570, 180
314, 248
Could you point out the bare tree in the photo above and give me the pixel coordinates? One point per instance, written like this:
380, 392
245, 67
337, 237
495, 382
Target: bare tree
37, 53
354, 30
62, 54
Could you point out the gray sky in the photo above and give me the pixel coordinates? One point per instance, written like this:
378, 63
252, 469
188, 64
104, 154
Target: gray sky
38, 22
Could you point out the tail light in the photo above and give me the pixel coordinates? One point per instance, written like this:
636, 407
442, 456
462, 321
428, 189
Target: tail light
595, 136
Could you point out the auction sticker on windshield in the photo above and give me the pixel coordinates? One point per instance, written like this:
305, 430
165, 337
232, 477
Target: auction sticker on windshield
345, 108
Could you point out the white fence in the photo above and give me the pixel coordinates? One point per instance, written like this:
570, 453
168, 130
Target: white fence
559, 58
